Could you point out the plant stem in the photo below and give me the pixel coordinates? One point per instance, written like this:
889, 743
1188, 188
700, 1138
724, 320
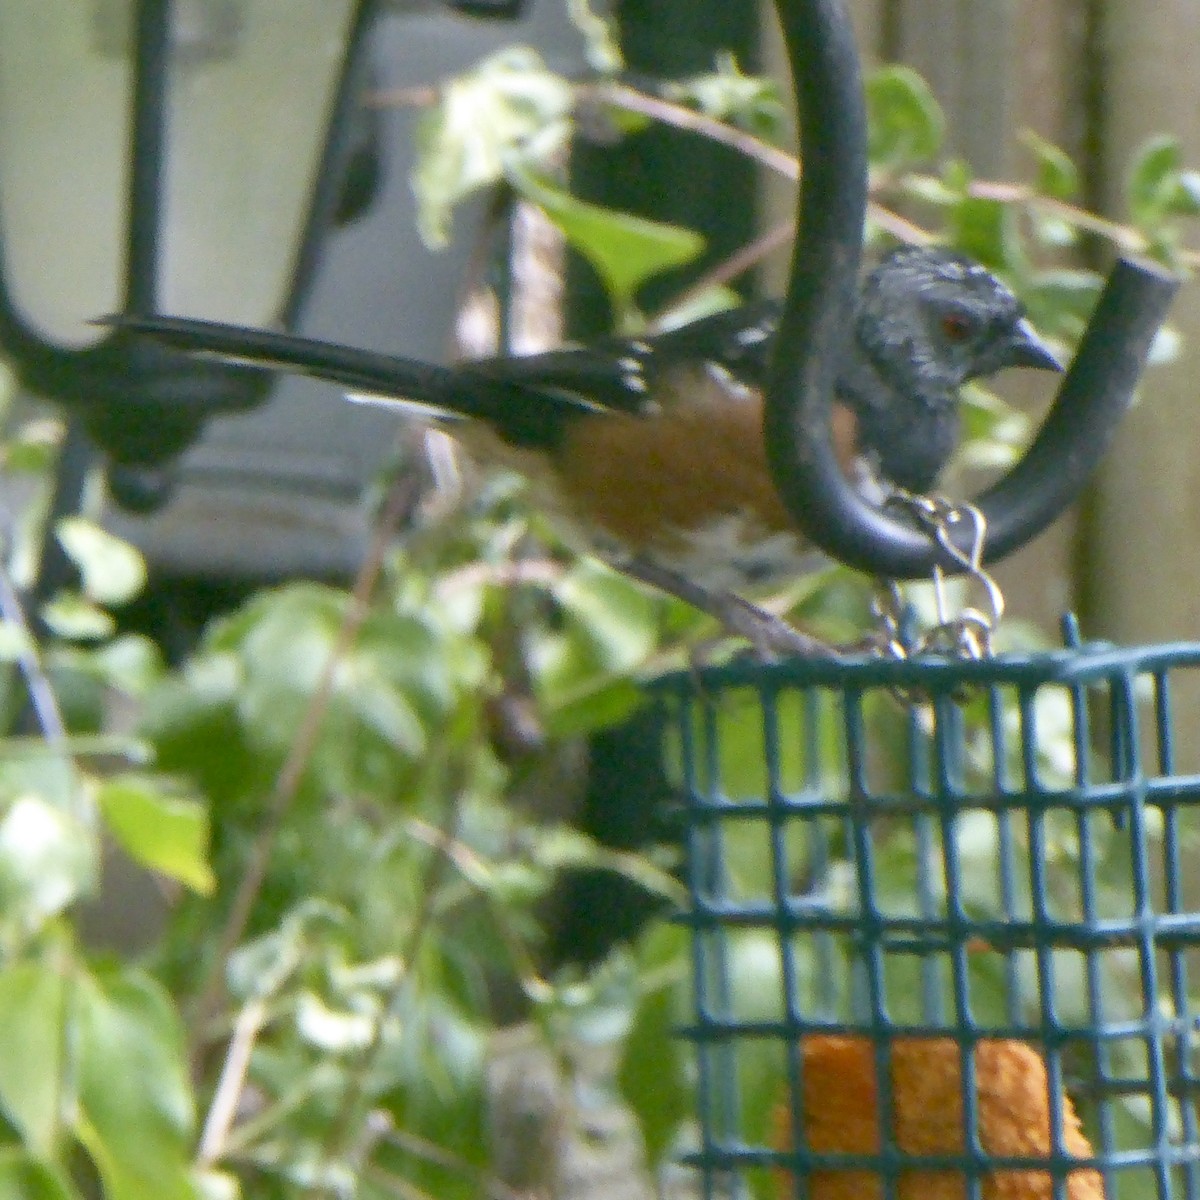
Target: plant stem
342, 1130
680, 116
223, 1109
287, 782
41, 694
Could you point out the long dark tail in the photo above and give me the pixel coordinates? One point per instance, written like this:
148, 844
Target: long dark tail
521, 412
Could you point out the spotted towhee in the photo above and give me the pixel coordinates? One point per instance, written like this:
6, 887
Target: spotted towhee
653, 446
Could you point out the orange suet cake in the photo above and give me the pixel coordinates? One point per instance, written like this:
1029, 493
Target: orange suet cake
841, 1116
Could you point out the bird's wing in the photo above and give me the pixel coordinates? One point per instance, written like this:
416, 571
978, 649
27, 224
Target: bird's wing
623, 374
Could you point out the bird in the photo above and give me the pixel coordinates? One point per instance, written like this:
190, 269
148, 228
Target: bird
652, 447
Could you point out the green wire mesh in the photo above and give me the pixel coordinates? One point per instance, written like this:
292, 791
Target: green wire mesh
905, 853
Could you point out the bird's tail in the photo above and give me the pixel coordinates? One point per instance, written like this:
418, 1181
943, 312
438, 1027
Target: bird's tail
523, 414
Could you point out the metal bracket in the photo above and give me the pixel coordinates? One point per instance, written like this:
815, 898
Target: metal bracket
1094, 396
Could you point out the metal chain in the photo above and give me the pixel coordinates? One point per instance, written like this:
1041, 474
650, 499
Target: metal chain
966, 634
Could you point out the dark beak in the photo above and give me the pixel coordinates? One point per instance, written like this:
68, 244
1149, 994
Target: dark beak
1026, 349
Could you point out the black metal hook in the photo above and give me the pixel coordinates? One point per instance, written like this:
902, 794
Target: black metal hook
1095, 394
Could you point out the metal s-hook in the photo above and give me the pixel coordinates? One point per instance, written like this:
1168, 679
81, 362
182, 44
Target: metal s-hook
1077, 431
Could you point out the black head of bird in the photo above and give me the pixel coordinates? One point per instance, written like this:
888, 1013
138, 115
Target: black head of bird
928, 321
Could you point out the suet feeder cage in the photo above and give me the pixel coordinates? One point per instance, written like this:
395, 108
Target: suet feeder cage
979, 917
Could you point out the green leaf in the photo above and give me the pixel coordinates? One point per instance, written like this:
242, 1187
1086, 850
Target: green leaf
988, 230
23, 1177
752, 102
597, 704
33, 448
1057, 176
624, 249
113, 571
47, 860
993, 432
563, 848
385, 689
1153, 180
1052, 230
135, 1103
1166, 347
263, 967
755, 969
1187, 194
32, 1015
131, 663
168, 834
694, 306
616, 614
14, 642
510, 107
70, 615
653, 1072
956, 177
737, 751
601, 45
582, 669
217, 1185
905, 120
597, 1010
333, 1031
930, 189
409, 654
1061, 301
192, 720
41, 770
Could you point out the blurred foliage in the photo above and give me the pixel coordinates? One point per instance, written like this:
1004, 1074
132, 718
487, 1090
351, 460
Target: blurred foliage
333, 792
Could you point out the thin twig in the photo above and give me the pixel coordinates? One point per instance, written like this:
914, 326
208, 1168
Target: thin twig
782, 162
419, 96
728, 269
472, 868
242, 1136
121, 746
680, 116
439, 1156
41, 694
389, 1181
901, 229
223, 1109
287, 782
505, 574
341, 1131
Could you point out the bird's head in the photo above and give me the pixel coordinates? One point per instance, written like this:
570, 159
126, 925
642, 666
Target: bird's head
929, 320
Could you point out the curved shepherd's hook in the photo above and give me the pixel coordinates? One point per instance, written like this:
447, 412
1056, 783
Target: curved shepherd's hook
1077, 431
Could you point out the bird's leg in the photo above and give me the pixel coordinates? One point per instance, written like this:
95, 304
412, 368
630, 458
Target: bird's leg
770, 636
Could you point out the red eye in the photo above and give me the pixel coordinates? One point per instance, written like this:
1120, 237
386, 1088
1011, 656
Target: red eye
956, 327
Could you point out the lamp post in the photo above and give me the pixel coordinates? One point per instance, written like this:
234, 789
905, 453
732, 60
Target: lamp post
163, 155
182, 155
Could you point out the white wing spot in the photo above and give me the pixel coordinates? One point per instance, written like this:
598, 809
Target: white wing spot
752, 335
